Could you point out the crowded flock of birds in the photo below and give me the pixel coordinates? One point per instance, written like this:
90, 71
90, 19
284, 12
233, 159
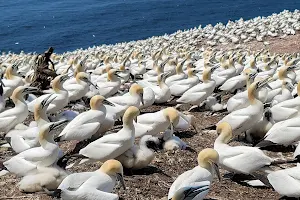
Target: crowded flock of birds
117, 82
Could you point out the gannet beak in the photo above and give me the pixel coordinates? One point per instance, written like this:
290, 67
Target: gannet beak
121, 179
30, 89
118, 74
142, 98
56, 125
95, 86
172, 127
214, 68
264, 82
64, 77
153, 145
216, 169
44, 102
108, 102
50, 101
268, 86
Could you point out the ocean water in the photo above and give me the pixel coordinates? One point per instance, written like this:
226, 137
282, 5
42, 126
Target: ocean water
67, 25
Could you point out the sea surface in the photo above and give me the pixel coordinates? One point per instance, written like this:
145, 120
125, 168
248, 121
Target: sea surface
33, 26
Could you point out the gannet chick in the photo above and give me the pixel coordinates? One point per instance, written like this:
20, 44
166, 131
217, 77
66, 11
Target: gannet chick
238, 159
258, 132
139, 156
61, 96
16, 115
45, 155
171, 142
113, 145
194, 184
21, 140
282, 133
42, 178
68, 115
86, 123
243, 119
214, 103
154, 123
286, 181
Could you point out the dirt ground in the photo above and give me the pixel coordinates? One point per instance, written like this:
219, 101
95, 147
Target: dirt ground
154, 182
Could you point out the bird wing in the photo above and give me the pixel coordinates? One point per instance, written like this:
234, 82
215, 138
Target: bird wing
244, 159
74, 181
93, 193
106, 145
35, 154
236, 119
8, 122
19, 166
80, 132
120, 100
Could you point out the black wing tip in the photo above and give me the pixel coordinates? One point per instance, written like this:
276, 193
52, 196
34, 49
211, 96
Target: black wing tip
265, 143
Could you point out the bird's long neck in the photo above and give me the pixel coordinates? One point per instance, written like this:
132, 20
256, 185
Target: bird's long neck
128, 123
41, 118
47, 141
251, 96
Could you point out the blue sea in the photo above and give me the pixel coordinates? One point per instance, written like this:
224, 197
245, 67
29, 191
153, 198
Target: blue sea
33, 26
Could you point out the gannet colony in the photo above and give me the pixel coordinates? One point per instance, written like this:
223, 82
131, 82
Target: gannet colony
101, 100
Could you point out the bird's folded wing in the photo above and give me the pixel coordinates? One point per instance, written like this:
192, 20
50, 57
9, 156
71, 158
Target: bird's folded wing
74, 181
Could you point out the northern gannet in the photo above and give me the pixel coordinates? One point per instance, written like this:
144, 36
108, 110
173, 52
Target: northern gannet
194, 184
21, 140
112, 145
154, 123
139, 156
243, 119
96, 185
133, 98
238, 159
198, 93
12, 81
111, 86
181, 86
287, 109
79, 89
86, 124
60, 94
16, 115
45, 155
